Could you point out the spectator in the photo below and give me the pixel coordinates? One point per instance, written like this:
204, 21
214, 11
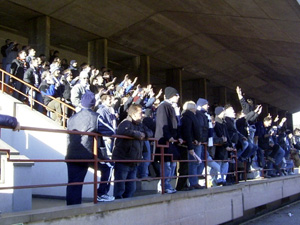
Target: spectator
129, 149
81, 147
167, 131
18, 68
79, 89
53, 56
30, 56
73, 68
191, 134
31, 77
3, 53
9, 121
207, 136
222, 151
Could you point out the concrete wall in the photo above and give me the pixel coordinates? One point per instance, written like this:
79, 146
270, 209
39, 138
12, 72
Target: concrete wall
40, 145
209, 206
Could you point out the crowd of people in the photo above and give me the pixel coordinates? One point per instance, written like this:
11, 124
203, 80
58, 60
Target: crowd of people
126, 108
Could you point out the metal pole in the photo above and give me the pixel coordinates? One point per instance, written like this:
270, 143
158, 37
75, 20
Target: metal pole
95, 167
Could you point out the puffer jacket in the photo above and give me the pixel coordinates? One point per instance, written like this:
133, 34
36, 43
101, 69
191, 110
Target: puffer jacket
130, 149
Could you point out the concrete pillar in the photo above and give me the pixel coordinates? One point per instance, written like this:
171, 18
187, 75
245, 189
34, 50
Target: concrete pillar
141, 69
199, 88
223, 96
97, 53
39, 35
174, 79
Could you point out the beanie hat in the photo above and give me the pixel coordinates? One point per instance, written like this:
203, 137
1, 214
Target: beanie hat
170, 92
73, 61
219, 110
201, 102
88, 100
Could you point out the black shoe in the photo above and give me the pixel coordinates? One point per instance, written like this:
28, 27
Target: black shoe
186, 189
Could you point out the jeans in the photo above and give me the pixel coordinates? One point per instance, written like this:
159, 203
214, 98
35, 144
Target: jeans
124, 172
277, 156
195, 167
223, 170
169, 172
77, 172
214, 168
143, 168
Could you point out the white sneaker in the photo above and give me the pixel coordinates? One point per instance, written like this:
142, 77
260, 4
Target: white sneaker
170, 191
105, 198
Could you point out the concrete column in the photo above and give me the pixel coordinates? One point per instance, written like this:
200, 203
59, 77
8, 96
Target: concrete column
223, 96
39, 35
97, 53
199, 88
141, 69
174, 79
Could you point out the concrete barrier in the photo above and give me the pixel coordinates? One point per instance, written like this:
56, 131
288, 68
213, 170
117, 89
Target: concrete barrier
208, 206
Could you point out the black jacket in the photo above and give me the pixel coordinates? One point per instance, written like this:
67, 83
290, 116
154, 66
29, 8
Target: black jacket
203, 125
221, 130
190, 129
130, 149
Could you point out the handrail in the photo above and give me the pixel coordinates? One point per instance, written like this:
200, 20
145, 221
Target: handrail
33, 88
95, 160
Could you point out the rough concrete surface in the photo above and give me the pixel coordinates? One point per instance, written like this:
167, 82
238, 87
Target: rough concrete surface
289, 214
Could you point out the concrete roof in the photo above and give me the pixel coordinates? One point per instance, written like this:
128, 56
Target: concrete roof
251, 43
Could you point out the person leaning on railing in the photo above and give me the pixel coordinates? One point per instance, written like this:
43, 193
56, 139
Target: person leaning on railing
9, 121
81, 147
129, 149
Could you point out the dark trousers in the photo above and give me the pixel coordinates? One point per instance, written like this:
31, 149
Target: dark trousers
77, 172
124, 172
183, 170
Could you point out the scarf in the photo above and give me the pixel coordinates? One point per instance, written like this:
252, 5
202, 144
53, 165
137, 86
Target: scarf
210, 141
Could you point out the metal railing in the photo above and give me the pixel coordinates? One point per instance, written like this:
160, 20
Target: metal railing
96, 160
32, 100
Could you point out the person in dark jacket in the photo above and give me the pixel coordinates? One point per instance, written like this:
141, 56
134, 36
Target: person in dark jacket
81, 147
191, 135
222, 151
167, 120
18, 68
129, 149
9, 121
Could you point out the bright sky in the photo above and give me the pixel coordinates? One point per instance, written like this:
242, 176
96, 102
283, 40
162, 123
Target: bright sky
296, 118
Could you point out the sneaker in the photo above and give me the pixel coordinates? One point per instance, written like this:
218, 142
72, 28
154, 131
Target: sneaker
105, 198
170, 191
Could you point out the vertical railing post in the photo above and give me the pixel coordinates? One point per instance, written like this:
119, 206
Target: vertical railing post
63, 116
236, 167
162, 172
31, 97
206, 164
95, 150
2, 81
245, 171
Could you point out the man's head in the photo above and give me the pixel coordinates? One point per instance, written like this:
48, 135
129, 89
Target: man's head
31, 52
229, 111
171, 94
22, 54
84, 78
190, 106
135, 112
73, 63
267, 121
106, 99
88, 100
220, 112
202, 104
